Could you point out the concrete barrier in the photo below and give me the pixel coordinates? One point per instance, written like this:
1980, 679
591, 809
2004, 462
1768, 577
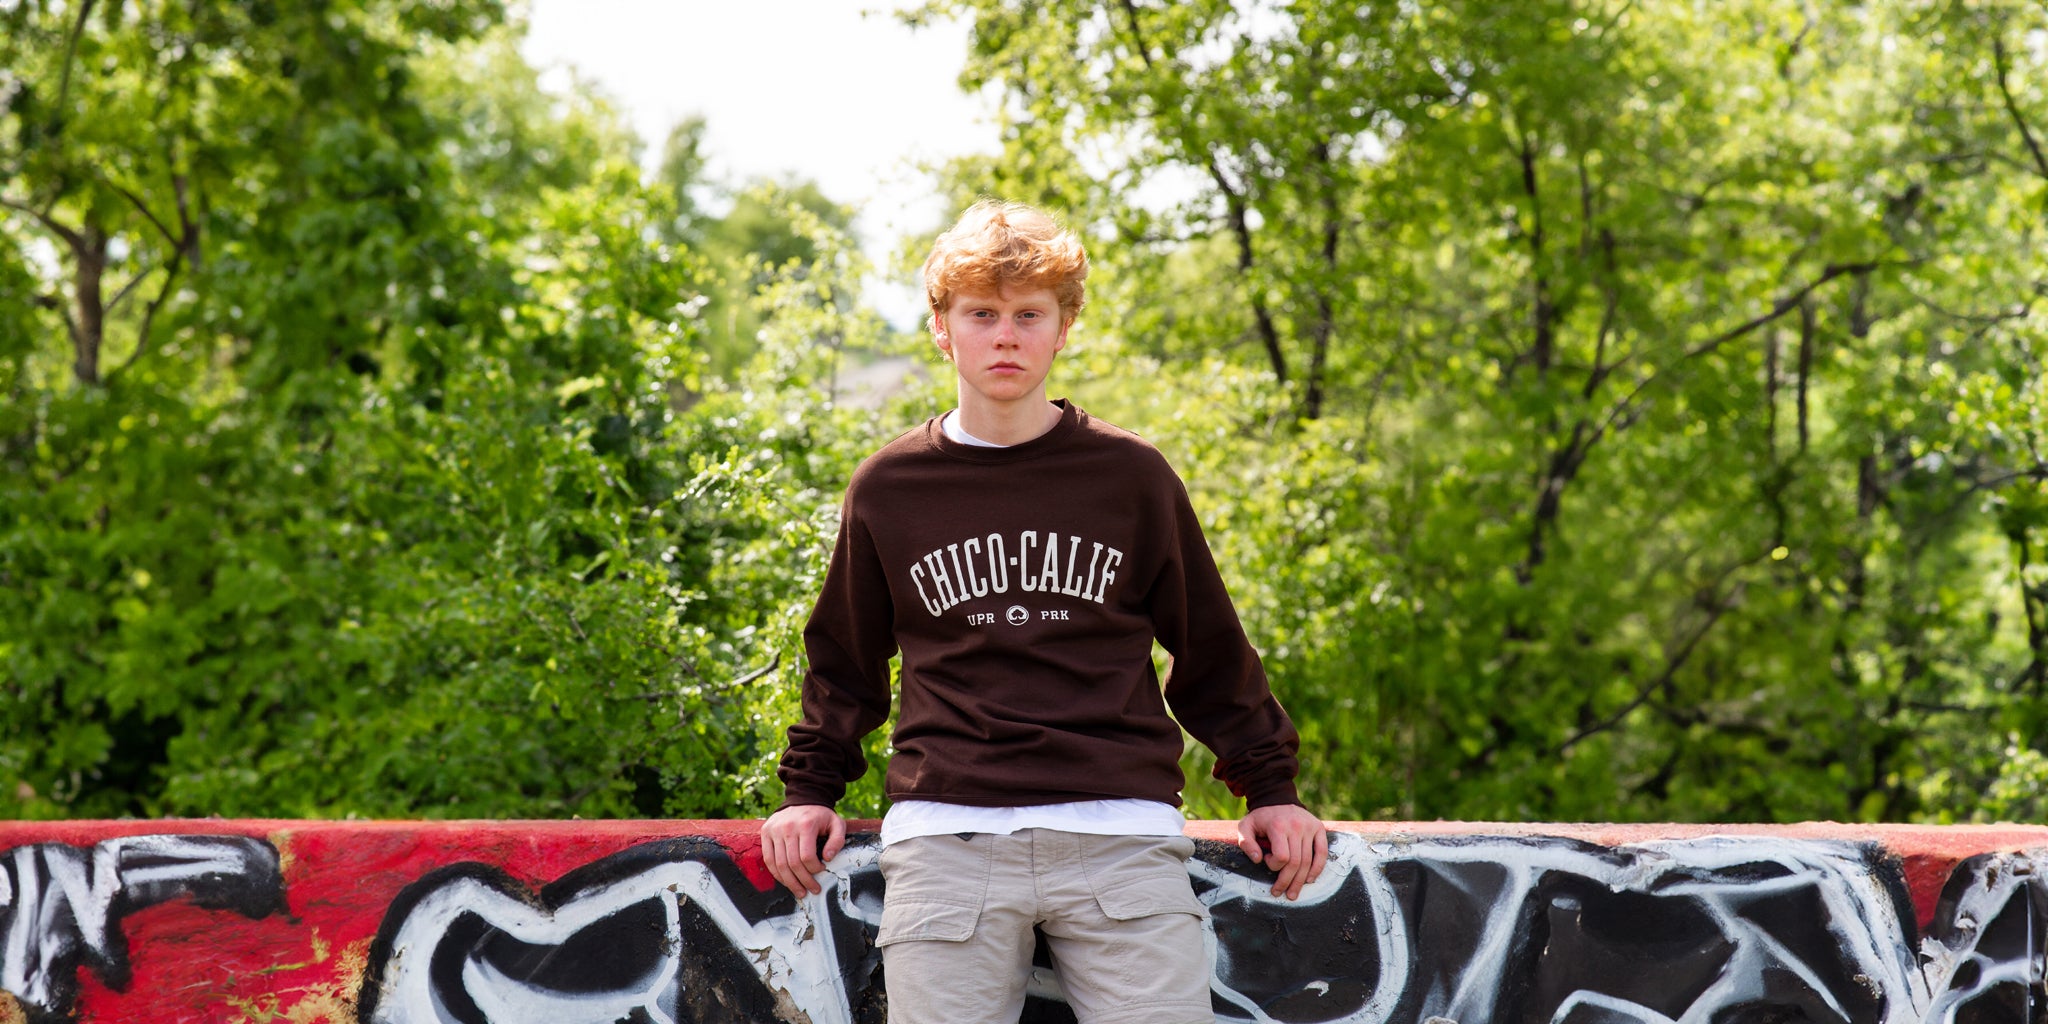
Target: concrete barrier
567, 922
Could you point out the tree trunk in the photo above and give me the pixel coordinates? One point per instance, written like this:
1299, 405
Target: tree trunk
88, 329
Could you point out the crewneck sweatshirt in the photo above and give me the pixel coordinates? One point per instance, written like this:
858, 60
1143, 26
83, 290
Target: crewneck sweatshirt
1024, 586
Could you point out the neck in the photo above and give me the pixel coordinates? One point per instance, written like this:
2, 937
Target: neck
1007, 423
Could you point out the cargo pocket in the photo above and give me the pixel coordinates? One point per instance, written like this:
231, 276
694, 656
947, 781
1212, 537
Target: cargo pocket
926, 921
1139, 876
1149, 897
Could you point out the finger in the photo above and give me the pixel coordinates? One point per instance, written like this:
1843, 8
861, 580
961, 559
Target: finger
836, 839
1248, 840
1282, 860
778, 865
789, 857
1286, 848
1312, 851
778, 868
1298, 877
805, 865
813, 860
803, 852
1305, 864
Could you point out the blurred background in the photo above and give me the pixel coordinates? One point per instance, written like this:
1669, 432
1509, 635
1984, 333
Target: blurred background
1601, 410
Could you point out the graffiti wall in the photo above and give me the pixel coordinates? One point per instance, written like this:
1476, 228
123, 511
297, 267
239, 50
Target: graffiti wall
673, 922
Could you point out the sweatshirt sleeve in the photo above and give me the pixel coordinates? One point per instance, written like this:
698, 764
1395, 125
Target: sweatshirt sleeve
848, 642
1216, 687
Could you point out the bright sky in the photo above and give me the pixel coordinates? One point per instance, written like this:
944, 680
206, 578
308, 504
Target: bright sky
838, 91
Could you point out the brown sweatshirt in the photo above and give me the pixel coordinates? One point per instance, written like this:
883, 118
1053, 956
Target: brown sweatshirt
1024, 586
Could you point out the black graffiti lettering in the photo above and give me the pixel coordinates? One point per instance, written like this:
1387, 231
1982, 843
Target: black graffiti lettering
668, 930
61, 906
1985, 942
1466, 929
1514, 929
1456, 928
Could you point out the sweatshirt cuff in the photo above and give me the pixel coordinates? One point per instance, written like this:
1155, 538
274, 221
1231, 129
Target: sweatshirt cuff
1269, 794
807, 796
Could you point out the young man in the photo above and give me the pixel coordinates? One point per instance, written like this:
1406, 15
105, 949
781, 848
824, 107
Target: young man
1023, 556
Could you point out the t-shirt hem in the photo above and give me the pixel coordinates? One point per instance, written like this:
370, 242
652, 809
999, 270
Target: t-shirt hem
912, 819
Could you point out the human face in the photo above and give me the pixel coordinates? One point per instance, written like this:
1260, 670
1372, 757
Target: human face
1001, 344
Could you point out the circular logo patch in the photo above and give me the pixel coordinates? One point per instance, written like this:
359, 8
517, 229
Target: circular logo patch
1017, 615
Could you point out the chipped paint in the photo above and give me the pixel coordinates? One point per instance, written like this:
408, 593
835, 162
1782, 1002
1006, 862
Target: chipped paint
667, 922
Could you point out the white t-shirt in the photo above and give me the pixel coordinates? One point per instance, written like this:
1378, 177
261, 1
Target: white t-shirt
909, 819
912, 818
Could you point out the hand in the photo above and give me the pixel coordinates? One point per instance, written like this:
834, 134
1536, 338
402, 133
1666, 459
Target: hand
789, 844
1298, 840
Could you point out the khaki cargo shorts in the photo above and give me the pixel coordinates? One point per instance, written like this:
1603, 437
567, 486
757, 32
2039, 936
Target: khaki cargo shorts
1118, 912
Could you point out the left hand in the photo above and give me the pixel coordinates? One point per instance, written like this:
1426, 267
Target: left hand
1299, 844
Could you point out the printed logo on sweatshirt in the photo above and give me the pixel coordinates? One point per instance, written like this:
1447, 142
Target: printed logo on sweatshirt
1035, 563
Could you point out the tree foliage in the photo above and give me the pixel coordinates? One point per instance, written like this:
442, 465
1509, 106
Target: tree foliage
1604, 410
1658, 383
366, 478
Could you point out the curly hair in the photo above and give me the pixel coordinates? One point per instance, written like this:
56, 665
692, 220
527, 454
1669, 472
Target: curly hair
996, 245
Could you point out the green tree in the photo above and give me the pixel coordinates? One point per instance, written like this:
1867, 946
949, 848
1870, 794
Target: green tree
682, 173
756, 242
382, 502
1623, 466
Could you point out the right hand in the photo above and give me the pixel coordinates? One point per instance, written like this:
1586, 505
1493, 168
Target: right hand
789, 843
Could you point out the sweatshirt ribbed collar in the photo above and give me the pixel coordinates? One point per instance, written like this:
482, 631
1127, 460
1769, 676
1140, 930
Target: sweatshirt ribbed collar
1069, 421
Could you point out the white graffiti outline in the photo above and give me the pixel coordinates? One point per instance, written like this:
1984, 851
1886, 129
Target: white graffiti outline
1860, 912
2000, 879
1349, 855
1722, 878
58, 902
795, 954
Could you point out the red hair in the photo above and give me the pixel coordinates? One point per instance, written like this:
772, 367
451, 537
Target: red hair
997, 245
